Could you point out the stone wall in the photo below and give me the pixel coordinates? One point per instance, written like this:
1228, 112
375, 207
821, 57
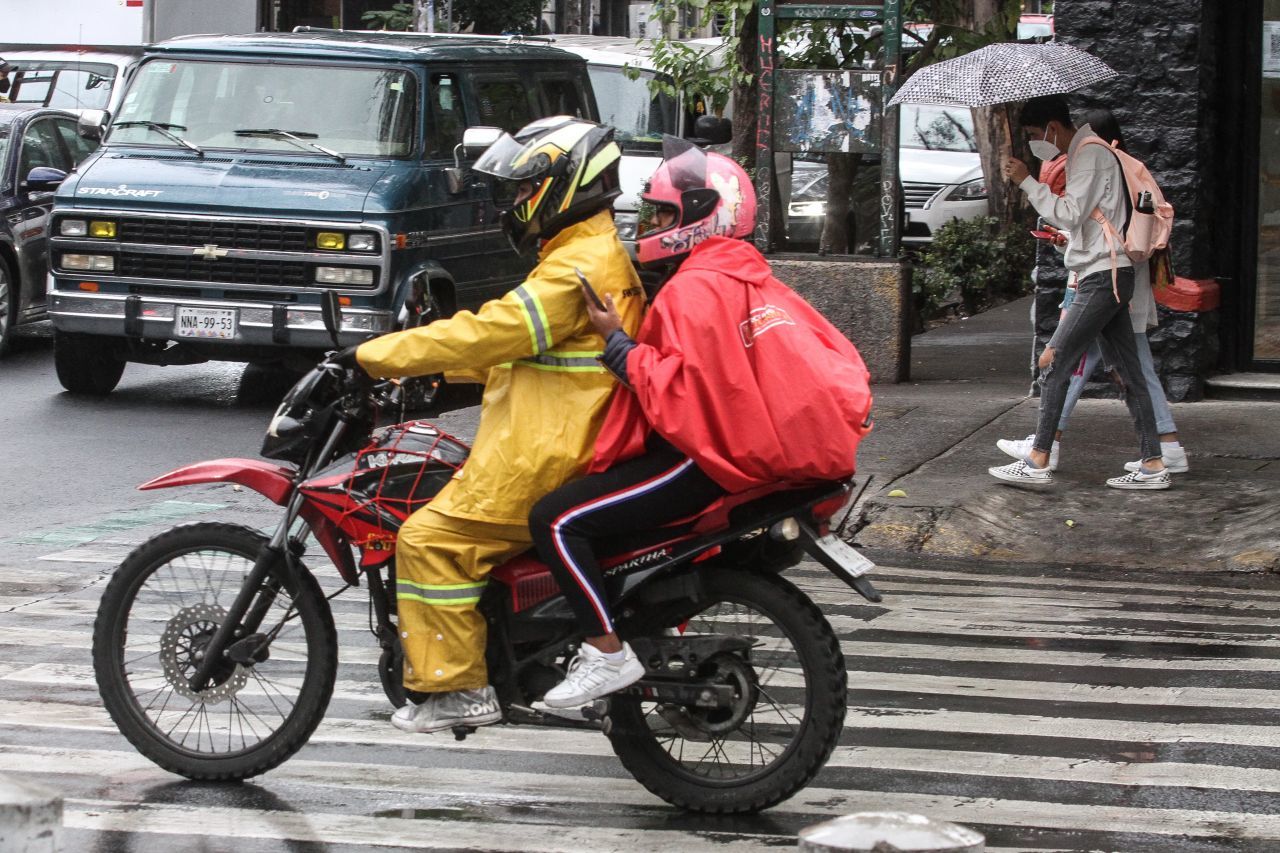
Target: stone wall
867, 299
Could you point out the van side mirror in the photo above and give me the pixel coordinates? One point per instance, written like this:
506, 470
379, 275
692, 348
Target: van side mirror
43, 179
474, 142
92, 123
710, 130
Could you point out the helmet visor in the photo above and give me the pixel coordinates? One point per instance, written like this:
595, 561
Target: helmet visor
512, 161
655, 216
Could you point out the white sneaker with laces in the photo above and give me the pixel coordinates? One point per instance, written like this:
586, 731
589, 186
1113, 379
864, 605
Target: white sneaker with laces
1174, 457
592, 675
443, 711
1020, 448
1023, 473
1142, 480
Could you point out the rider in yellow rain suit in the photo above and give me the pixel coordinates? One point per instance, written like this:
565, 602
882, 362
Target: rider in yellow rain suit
544, 399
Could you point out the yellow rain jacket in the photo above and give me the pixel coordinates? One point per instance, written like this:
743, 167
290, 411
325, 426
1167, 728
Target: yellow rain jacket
535, 351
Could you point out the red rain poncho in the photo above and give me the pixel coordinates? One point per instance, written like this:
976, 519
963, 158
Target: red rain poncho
741, 374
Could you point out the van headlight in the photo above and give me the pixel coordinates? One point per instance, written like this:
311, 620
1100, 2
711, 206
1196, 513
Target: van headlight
344, 275
362, 242
94, 263
974, 190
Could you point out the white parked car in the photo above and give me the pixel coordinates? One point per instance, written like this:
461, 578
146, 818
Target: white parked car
940, 171
75, 79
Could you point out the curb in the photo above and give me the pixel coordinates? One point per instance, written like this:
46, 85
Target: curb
30, 817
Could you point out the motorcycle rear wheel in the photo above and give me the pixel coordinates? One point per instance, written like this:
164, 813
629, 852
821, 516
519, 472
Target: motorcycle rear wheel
162, 604
792, 692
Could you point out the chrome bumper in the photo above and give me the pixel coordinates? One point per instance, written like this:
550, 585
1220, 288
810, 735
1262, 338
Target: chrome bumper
257, 323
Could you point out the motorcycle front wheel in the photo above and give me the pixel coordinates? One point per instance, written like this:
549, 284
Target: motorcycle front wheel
157, 615
789, 701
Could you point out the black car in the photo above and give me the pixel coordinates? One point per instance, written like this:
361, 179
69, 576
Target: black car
38, 147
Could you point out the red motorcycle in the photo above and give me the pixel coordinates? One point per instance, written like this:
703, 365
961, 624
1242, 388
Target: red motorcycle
216, 654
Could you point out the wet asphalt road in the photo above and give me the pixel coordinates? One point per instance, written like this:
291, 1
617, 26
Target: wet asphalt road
1068, 711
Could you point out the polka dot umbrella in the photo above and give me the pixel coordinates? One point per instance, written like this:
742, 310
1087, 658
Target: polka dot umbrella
999, 73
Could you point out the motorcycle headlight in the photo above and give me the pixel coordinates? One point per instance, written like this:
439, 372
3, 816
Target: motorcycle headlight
974, 190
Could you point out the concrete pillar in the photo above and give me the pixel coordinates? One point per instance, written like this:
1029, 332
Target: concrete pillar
889, 832
30, 817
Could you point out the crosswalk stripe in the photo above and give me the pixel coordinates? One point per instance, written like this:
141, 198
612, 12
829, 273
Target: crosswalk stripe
428, 834
1196, 585
517, 739
1166, 697
467, 785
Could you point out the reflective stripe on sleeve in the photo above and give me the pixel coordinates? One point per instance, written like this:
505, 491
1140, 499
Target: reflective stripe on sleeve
568, 362
536, 319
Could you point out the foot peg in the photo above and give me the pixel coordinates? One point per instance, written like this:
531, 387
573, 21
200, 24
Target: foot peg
461, 732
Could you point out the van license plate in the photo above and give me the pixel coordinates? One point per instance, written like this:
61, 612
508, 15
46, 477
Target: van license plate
216, 323
849, 558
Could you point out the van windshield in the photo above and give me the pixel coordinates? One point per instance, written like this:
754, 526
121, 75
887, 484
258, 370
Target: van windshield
637, 115
365, 112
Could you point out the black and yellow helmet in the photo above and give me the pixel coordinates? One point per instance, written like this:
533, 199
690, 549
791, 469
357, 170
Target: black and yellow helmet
571, 166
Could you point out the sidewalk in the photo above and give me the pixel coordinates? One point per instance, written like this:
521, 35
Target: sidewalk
935, 438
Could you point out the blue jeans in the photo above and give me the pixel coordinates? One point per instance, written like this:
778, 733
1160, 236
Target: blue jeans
1096, 311
1159, 403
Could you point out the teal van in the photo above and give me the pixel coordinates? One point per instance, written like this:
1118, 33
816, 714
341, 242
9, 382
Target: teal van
244, 176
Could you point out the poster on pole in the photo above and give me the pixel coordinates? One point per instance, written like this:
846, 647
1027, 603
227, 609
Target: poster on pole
827, 111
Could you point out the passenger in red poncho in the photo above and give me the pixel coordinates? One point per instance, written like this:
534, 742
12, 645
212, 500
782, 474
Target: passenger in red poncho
735, 385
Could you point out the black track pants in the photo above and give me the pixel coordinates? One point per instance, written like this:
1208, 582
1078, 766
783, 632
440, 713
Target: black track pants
661, 486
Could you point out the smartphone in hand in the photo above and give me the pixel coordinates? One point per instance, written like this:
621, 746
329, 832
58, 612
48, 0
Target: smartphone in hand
1043, 235
590, 291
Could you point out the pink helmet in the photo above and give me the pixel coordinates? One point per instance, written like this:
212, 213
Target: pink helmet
702, 193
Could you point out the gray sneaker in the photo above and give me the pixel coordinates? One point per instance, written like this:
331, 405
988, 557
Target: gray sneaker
443, 711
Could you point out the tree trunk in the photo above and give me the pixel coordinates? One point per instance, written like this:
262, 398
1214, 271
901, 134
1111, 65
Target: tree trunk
841, 169
572, 22
746, 96
998, 138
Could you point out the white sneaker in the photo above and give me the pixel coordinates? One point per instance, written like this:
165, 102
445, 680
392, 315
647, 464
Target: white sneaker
1141, 480
592, 675
1174, 458
1021, 449
443, 711
1022, 472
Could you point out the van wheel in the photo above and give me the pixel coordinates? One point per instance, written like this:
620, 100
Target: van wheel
86, 364
8, 306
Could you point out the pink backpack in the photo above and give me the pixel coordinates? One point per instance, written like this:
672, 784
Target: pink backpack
1147, 233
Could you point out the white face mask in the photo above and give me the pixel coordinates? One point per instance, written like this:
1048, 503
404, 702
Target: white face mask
1044, 149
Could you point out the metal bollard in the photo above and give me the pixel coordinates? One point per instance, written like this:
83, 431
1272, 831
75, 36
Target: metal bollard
889, 832
30, 817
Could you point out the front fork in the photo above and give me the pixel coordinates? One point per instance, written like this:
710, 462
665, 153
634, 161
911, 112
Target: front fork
240, 621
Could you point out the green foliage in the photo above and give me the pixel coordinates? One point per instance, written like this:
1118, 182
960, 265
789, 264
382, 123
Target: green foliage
487, 16
697, 71
978, 259
398, 17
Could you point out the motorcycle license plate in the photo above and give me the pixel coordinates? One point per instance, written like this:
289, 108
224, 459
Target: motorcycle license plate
848, 557
216, 323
